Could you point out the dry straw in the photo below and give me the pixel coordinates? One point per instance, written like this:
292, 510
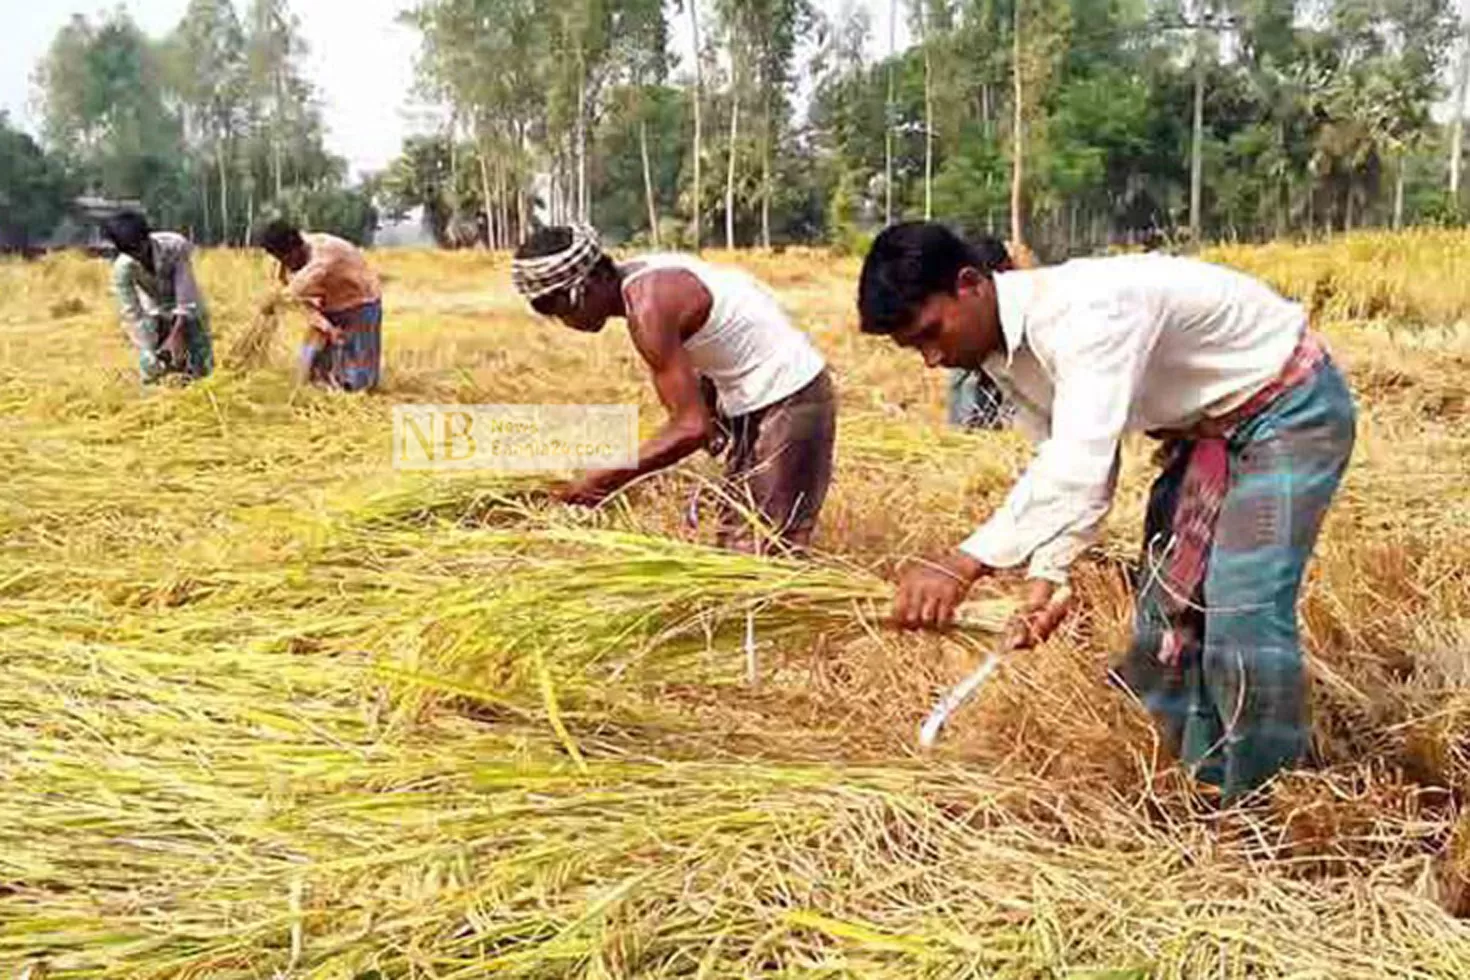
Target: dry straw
272, 709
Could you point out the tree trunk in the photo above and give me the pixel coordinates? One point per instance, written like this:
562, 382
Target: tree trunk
224, 194
487, 200
1457, 128
522, 224
888, 114
203, 175
1398, 195
583, 211
766, 142
277, 89
698, 118
730, 169
452, 198
648, 183
1018, 136
928, 121
1196, 149
505, 235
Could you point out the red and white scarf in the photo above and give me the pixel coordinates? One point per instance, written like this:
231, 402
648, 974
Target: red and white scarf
1205, 483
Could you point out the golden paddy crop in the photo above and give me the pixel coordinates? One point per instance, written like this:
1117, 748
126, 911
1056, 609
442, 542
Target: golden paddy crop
270, 708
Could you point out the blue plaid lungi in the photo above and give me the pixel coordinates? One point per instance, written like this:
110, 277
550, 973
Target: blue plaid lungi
975, 401
1234, 708
198, 348
355, 363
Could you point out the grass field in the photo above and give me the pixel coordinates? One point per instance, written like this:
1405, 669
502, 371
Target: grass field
271, 709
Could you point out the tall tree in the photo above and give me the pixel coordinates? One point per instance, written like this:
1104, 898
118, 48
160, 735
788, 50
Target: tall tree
698, 98
102, 93
1457, 105
209, 70
33, 189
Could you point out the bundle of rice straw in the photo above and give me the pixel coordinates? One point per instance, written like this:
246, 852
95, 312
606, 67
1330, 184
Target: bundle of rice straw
252, 349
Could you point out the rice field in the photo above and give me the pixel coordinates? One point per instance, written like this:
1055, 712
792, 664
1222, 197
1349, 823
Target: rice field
270, 708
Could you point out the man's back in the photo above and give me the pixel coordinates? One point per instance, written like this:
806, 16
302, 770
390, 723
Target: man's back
336, 276
1207, 336
747, 346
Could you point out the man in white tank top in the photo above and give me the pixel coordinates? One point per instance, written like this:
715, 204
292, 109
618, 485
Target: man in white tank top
728, 365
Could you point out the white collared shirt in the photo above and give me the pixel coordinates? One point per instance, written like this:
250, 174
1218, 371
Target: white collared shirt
1095, 348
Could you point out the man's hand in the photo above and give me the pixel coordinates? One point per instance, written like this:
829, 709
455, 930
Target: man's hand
173, 344
930, 591
1042, 611
582, 493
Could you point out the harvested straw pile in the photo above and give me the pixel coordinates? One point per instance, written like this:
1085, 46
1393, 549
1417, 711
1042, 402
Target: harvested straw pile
273, 709
253, 347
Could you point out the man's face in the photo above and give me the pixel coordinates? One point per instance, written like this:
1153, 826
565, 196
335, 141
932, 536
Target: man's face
958, 330
296, 259
584, 308
139, 249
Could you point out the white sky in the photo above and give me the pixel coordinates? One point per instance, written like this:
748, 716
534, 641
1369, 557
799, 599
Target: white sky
361, 61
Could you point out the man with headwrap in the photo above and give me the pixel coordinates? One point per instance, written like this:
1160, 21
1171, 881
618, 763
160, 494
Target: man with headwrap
703, 330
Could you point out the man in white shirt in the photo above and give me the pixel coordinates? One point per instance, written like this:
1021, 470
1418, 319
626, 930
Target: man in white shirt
728, 365
164, 313
1258, 426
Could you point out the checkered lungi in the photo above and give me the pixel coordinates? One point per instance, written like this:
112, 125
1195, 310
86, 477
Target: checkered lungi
355, 363
1233, 707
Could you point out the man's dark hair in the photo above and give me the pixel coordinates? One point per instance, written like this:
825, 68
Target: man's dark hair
127, 229
549, 240
912, 261
280, 238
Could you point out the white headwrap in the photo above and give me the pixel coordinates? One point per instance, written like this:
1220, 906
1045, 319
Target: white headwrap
565, 270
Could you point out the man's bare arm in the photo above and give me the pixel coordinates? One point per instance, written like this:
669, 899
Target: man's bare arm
660, 315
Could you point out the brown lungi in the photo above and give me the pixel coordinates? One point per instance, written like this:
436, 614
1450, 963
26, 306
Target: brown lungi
779, 468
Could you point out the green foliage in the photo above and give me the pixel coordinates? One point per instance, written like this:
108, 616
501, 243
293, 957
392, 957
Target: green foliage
345, 212
1310, 122
209, 127
972, 189
33, 189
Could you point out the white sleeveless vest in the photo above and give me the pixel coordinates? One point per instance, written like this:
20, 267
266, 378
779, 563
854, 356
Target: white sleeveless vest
748, 347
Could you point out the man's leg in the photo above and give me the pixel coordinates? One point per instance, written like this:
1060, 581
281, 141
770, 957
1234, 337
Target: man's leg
737, 509
316, 361
199, 348
361, 350
1174, 695
780, 469
1286, 467
151, 366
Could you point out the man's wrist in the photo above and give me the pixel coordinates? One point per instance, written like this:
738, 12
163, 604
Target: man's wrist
967, 567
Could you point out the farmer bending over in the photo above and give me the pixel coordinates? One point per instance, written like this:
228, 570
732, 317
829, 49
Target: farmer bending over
161, 307
1257, 427
692, 321
344, 305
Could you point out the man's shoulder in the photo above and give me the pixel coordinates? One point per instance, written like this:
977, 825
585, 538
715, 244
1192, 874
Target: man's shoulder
124, 267
328, 241
662, 273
